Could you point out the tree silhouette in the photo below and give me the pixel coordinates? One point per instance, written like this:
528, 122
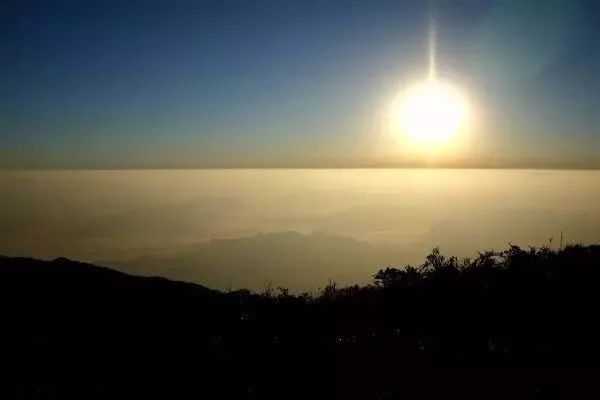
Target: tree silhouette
71, 328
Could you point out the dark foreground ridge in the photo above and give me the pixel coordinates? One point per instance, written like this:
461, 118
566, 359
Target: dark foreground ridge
518, 324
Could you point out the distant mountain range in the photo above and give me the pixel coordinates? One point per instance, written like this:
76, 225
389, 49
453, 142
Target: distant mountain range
290, 259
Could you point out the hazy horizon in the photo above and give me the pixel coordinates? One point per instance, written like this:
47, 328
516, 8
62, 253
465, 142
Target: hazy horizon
532, 166
297, 228
161, 133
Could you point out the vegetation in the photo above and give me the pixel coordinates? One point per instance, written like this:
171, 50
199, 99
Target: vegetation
80, 331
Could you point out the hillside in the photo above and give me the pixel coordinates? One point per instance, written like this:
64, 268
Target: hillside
515, 323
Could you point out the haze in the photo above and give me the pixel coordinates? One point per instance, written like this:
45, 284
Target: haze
295, 228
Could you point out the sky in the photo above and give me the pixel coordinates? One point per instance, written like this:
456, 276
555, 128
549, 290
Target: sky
190, 84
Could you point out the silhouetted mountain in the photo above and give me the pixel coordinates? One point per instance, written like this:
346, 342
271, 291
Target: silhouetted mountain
291, 259
516, 322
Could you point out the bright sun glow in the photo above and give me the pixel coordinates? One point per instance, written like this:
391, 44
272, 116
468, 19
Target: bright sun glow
430, 115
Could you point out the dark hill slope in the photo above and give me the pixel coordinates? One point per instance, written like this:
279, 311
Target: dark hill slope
517, 324
77, 330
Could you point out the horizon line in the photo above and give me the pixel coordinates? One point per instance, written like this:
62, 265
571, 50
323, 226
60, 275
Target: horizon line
307, 167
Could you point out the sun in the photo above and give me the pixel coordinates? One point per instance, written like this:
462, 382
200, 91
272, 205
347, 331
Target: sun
429, 115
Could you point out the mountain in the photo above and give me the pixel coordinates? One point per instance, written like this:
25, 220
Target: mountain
76, 330
300, 262
511, 324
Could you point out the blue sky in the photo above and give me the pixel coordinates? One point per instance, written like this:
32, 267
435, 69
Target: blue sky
152, 84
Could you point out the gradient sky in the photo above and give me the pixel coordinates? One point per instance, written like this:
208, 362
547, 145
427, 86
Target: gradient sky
153, 84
